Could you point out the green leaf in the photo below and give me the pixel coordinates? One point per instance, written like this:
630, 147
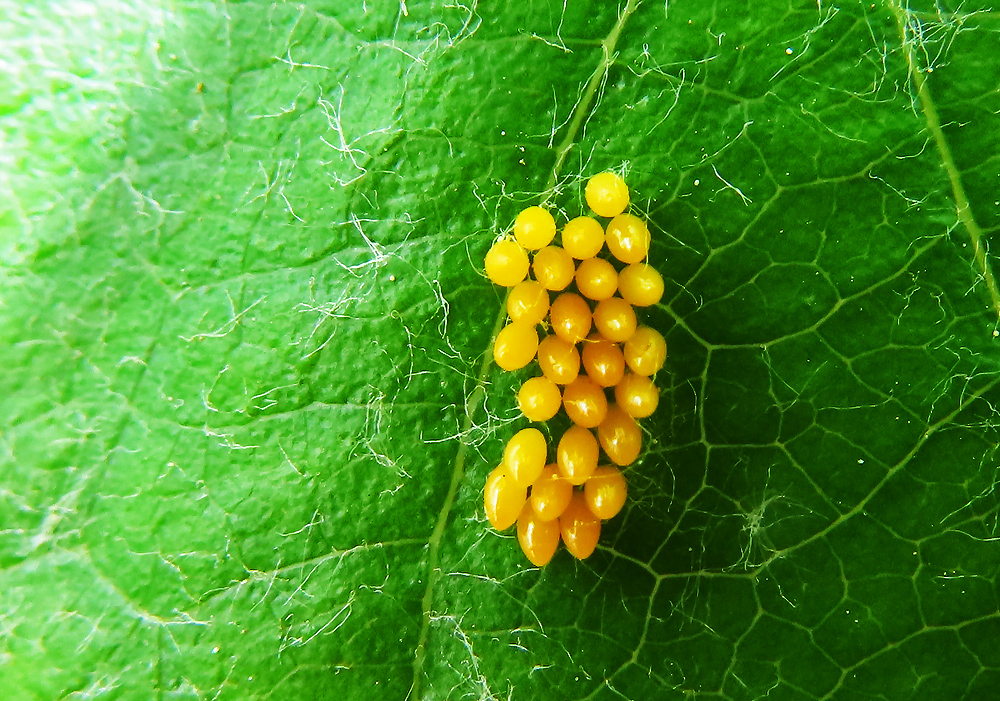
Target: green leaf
249, 402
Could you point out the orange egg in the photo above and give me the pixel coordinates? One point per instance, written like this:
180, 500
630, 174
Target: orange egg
539, 539
603, 360
614, 319
559, 359
528, 301
577, 454
585, 402
645, 351
627, 237
550, 494
570, 317
503, 498
524, 456
605, 492
515, 345
580, 529
539, 398
620, 436
596, 279
637, 395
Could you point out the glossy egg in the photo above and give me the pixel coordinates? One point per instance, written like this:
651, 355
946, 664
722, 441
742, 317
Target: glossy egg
640, 284
528, 301
539, 539
627, 237
615, 319
506, 263
534, 228
646, 351
637, 395
539, 398
603, 360
607, 194
524, 456
580, 529
515, 345
605, 492
503, 498
570, 317
576, 454
620, 436
583, 237
553, 268
550, 494
585, 402
596, 278
558, 359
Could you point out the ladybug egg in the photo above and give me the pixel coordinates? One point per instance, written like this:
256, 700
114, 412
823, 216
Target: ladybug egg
534, 228
645, 351
620, 436
603, 361
615, 319
506, 263
640, 284
585, 402
583, 237
539, 539
637, 395
524, 456
607, 194
559, 360
550, 494
576, 455
628, 238
528, 301
605, 492
504, 499
580, 529
515, 345
553, 268
596, 278
539, 399
570, 317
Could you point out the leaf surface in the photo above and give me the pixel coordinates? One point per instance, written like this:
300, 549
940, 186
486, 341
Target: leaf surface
250, 405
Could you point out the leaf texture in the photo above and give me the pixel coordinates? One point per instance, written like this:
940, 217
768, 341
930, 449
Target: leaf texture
250, 403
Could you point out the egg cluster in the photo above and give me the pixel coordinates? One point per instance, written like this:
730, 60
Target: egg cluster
593, 346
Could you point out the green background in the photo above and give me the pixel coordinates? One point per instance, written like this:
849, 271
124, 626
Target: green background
246, 417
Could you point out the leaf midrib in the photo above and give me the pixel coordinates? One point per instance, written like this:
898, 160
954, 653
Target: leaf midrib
962, 206
580, 113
